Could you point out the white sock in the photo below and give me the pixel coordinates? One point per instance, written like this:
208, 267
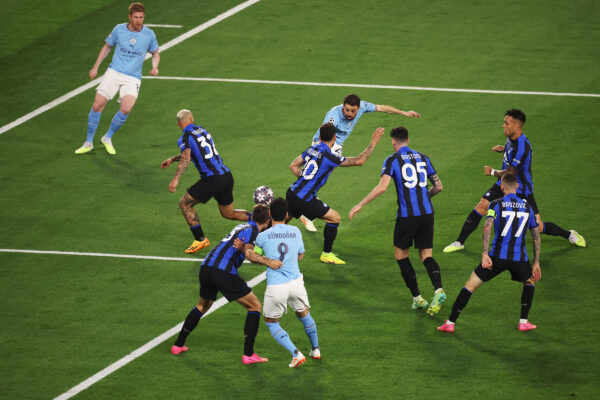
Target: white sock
449, 322
522, 321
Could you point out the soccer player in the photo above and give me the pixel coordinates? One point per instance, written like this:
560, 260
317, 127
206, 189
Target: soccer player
414, 219
219, 273
313, 168
517, 161
510, 215
124, 74
345, 117
285, 285
197, 145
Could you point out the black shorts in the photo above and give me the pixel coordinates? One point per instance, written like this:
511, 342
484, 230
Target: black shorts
218, 186
213, 280
495, 193
419, 229
520, 271
310, 209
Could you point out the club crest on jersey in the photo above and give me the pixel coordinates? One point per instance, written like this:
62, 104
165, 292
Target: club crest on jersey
331, 120
132, 41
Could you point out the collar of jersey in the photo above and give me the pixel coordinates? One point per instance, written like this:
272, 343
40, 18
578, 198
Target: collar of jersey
189, 127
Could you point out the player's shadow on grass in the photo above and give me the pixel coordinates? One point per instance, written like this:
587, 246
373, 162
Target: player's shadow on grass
130, 176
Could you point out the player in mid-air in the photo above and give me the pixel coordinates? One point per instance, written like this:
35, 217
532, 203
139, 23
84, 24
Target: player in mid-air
219, 273
197, 145
517, 161
285, 285
510, 216
345, 117
410, 171
124, 74
313, 168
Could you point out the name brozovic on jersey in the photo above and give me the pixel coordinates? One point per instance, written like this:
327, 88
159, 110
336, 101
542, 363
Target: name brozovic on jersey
512, 217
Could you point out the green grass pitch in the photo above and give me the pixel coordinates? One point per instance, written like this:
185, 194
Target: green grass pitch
64, 318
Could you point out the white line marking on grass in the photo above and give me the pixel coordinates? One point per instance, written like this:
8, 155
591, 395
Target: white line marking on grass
359, 85
78, 253
145, 348
93, 83
163, 26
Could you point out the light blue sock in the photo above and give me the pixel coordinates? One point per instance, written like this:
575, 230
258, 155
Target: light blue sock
281, 336
117, 122
93, 121
310, 327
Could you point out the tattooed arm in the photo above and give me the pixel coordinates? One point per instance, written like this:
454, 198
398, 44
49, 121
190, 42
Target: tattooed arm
486, 261
362, 158
537, 243
169, 161
184, 161
437, 185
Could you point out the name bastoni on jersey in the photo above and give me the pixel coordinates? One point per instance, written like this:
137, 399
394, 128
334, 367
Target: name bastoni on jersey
414, 156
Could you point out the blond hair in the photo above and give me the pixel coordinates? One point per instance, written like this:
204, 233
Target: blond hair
184, 115
136, 7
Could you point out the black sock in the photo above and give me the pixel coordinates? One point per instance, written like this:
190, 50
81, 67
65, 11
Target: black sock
329, 233
188, 326
197, 231
526, 300
459, 304
469, 226
552, 229
410, 278
433, 269
250, 331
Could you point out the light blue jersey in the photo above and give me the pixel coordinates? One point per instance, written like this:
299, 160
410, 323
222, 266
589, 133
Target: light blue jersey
343, 127
282, 242
130, 49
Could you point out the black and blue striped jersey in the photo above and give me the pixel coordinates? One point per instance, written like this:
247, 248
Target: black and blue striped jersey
319, 163
410, 171
512, 217
226, 257
203, 151
517, 154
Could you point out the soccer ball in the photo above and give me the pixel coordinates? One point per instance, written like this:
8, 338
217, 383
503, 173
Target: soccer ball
263, 195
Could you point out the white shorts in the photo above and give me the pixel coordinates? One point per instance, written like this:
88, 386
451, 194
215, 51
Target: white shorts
335, 149
277, 297
113, 82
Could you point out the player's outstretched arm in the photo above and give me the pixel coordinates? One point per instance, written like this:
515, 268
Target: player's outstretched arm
364, 156
101, 56
498, 149
184, 161
437, 185
373, 194
486, 261
296, 166
252, 256
393, 110
489, 171
169, 161
155, 62
537, 243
